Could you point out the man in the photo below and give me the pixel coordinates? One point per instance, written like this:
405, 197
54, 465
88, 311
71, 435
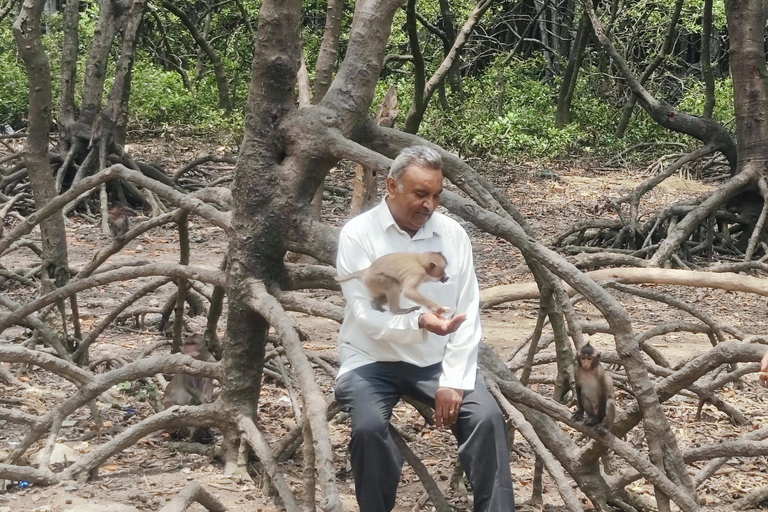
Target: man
430, 358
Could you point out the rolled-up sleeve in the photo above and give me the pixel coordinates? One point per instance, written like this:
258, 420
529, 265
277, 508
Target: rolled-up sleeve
460, 360
381, 326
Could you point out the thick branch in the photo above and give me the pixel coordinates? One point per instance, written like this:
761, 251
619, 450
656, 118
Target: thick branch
628, 275
314, 403
194, 493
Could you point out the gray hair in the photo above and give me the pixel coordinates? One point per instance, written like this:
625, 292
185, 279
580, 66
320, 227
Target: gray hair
421, 156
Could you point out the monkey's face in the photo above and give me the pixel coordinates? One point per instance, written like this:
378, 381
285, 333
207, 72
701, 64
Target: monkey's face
415, 197
587, 361
436, 270
116, 211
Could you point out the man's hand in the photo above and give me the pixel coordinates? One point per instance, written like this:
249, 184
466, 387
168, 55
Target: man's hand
447, 404
764, 369
439, 325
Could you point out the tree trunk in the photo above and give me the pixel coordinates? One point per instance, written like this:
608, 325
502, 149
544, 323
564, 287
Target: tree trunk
454, 74
329, 49
571, 75
69, 51
419, 108
706, 60
200, 63
96, 65
746, 30
27, 33
365, 190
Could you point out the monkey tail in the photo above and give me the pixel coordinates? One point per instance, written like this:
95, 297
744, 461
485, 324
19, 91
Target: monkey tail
349, 277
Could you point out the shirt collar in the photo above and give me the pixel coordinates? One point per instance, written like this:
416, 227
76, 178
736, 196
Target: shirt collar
428, 230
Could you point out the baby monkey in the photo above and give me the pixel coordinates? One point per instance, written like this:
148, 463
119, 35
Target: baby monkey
398, 272
118, 221
187, 389
594, 390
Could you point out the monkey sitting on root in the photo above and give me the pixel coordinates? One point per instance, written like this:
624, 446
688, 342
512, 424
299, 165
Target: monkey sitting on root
118, 221
398, 272
187, 389
190, 390
594, 391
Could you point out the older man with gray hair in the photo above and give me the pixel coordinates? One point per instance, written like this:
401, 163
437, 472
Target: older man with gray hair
430, 358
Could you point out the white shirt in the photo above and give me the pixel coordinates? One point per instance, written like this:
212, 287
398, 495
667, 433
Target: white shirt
368, 335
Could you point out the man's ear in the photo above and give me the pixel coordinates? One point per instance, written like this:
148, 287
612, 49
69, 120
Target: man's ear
391, 185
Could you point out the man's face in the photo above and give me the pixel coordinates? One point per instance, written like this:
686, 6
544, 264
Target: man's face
414, 202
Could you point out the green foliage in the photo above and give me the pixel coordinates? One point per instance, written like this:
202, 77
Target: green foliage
693, 100
526, 126
160, 99
526, 123
14, 93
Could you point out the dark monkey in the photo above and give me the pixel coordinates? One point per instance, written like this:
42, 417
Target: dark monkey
186, 389
118, 221
594, 390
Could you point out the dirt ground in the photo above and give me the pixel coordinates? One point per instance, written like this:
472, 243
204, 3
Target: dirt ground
149, 474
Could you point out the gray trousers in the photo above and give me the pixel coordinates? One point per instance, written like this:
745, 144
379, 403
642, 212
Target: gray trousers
370, 392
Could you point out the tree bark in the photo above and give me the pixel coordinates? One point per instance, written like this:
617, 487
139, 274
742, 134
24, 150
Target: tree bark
365, 190
329, 49
28, 35
571, 75
69, 51
706, 60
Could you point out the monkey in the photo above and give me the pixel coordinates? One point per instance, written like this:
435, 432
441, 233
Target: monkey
402, 272
118, 221
186, 389
594, 391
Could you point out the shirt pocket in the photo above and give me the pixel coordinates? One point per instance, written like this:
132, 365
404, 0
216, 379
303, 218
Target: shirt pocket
442, 293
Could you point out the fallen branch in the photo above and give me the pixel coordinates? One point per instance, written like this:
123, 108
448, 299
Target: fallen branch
553, 467
292, 301
255, 439
720, 280
194, 493
314, 404
206, 415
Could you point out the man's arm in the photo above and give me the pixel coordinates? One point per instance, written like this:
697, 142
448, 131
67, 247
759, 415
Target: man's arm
378, 325
460, 360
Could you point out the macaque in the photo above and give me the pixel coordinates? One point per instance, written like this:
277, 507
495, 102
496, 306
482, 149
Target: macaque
594, 391
402, 272
118, 221
186, 389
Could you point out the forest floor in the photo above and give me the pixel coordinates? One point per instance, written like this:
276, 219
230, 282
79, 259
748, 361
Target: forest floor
149, 474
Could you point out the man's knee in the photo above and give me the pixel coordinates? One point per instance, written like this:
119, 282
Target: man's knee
368, 427
484, 421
